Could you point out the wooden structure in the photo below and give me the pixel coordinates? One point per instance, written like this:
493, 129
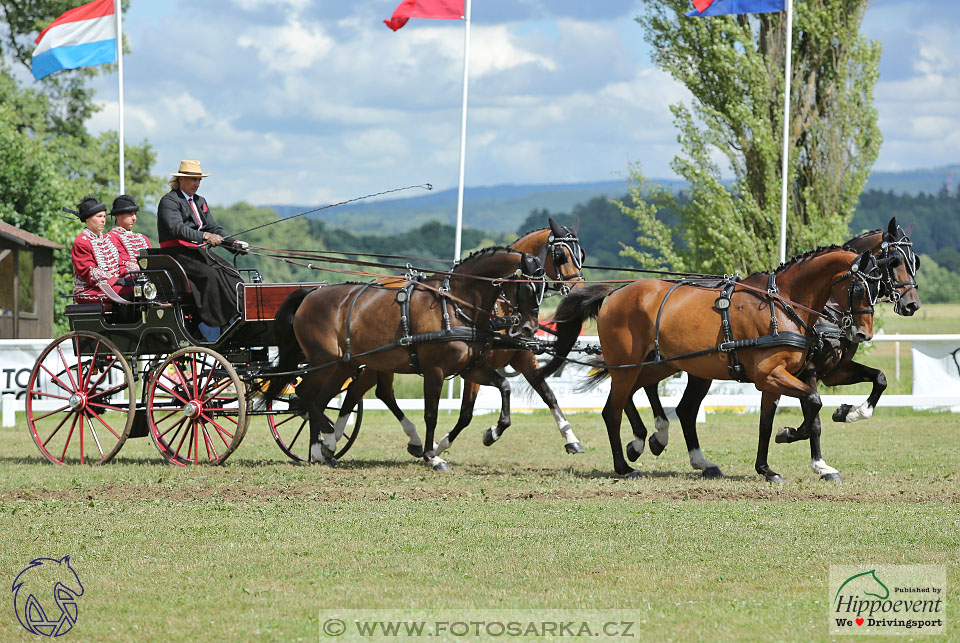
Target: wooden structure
26, 284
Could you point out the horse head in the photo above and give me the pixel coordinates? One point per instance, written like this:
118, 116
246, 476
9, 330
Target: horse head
528, 287
856, 291
54, 583
518, 282
900, 271
562, 257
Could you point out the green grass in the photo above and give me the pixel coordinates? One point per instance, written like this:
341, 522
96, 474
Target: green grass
260, 548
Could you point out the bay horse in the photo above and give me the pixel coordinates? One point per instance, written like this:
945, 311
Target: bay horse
644, 340
833, 362
437, 325
559, 251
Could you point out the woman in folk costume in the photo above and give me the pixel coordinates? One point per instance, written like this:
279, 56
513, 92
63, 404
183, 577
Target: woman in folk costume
95, 258
128, 243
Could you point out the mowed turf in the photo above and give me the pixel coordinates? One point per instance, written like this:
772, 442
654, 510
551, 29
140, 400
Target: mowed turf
261, 548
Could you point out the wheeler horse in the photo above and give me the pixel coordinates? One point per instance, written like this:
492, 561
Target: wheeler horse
832, 361
559, 251
438, 326
758, 329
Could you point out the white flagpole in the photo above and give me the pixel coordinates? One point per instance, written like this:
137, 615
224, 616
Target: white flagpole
463, 127
120, 74
786, 134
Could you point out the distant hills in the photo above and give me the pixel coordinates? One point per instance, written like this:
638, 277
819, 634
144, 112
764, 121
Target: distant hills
502, 208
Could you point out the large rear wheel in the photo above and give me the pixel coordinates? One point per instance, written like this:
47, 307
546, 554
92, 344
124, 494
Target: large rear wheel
196, 407
80, 399
291, 428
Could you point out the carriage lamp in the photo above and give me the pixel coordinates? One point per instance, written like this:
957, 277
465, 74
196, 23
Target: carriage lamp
145, 288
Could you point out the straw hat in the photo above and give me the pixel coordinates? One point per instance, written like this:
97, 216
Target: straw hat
190, 169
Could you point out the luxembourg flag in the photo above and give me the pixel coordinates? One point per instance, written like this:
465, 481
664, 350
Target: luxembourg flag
81, 37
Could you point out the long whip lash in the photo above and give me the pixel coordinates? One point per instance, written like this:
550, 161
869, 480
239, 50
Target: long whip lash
425, 186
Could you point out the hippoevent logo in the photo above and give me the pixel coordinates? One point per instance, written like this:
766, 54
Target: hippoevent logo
45, 596
887, 599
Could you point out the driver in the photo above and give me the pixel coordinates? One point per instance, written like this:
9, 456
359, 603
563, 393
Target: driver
186, 229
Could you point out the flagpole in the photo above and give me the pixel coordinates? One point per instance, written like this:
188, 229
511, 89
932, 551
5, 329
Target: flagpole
786, 134
463, 127
117, 4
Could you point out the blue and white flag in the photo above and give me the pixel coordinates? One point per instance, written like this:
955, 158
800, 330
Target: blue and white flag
81, 37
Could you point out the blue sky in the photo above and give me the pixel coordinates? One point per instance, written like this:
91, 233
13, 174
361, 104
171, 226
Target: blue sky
306, 102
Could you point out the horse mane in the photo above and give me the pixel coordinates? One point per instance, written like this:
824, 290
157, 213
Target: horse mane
484, 252
868, 233
802, 257
533, 231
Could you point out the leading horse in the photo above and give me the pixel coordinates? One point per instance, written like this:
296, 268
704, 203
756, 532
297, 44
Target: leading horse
437, 326
832, 364
771, 316
558, 249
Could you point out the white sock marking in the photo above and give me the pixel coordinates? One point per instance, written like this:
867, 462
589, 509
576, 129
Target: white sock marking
821, 468
442, 445
862, 412
339, 427
568, 436
661, 424
638, 445
697, 461
411, 430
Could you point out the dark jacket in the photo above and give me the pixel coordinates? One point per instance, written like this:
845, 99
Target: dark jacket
176, 222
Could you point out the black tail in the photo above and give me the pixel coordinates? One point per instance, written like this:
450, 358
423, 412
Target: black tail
290, 352
597, 374
577, 307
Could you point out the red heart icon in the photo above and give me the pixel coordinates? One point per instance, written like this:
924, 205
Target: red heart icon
859, 621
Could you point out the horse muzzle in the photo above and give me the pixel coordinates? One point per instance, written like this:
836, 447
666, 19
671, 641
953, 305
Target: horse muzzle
858, 335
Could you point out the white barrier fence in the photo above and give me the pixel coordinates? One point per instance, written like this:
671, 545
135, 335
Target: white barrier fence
936, 383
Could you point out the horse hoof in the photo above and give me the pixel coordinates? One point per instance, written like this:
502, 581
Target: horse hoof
632, 475
633, 453
416, 450
655, 447
840, 415
712, 473
573, 447
788, 435
442, 467
488, 438
331, 462
775, 478
831, 477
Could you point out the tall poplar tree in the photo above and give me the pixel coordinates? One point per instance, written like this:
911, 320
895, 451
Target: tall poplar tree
733, 67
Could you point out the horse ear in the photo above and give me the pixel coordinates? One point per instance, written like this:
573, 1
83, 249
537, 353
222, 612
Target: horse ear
576, 226
557, 232
892, 227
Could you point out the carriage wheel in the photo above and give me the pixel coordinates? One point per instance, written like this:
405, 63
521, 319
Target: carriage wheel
196, 407
291, 427
80, 399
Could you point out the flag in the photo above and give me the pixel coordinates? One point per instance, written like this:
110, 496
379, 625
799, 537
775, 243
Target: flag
81, 37
723, 7
443, 9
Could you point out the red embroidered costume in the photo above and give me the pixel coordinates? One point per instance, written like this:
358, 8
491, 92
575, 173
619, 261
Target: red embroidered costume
129, 244
95, 258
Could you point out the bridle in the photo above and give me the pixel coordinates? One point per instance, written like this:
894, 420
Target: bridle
529, 274
900, 249
558, 247
866, 281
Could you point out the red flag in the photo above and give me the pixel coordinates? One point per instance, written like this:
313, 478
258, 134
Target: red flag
443, 9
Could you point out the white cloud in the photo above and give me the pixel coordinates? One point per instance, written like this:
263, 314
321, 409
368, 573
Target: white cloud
290, 47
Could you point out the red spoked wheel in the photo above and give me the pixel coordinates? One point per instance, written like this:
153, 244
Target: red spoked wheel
196, 407
290, 425
80, 400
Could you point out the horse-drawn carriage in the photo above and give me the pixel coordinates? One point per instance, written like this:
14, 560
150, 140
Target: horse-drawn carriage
132, 368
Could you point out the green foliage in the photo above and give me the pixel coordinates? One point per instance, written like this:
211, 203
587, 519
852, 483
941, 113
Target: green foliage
733, 67
47, 158
932, 219
936, 283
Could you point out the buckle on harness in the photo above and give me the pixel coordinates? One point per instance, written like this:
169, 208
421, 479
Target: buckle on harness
726, 347
406, 341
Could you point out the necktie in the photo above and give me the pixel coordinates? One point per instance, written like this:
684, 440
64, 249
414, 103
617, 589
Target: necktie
195, 213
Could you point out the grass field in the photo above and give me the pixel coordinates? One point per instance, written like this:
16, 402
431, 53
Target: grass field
261, 548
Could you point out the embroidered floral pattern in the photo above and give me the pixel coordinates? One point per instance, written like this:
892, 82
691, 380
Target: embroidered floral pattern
132, 242
107, 262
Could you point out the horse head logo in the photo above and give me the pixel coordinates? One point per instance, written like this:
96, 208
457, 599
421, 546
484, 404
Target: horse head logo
54, 583
867, 584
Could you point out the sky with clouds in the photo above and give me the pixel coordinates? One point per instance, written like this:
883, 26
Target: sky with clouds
308, 102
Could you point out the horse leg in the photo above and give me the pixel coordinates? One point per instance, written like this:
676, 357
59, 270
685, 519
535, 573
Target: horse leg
323, 441
687, 410
526, 363
467, 401
854, 373
768, 408
658, 441
621, 389
385, 394
635, 446
361, 383
432, 388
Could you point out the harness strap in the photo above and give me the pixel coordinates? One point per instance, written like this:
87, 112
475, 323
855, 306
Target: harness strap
403, 298
346, 352
656, 342
729, 345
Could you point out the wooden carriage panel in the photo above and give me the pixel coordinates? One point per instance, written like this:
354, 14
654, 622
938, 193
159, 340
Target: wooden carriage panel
262, 301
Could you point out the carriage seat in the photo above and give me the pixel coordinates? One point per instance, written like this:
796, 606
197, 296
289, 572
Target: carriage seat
156, 260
